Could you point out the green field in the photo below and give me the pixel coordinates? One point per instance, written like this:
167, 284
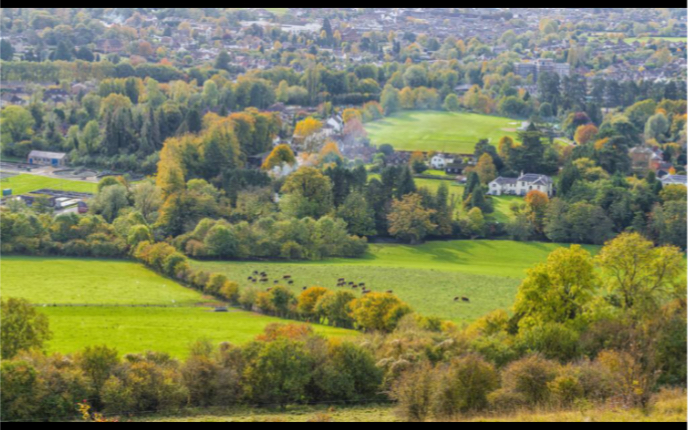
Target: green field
178, 320
439, 131
428, 276
171, 330
24, 183
85, 281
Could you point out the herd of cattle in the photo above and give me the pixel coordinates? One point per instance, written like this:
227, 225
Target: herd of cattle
262, 277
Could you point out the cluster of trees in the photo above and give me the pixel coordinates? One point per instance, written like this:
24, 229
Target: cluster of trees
23, 231
583, 329
288, 364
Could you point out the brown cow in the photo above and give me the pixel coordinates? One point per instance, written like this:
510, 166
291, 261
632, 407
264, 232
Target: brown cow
465, 300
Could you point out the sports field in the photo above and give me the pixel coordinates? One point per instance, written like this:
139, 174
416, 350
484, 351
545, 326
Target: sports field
439, 131
24, 183
428, 277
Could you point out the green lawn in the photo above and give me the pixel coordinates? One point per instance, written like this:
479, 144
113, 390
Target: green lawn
83, 281
428, 276
172, 330
24, 183
117, 285
439, 131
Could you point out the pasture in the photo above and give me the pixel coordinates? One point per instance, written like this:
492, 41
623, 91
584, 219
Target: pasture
170, 330
428, 277
449, 132
43, 280
115, 295
25, 183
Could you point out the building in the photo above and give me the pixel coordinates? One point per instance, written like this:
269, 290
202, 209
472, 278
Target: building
439, 162
522, 185
674, 180
543, 65
55, 159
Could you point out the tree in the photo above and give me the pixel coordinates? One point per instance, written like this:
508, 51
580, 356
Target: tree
6, 50
642, 276
308, 193
223, 61
390, 99
16, 125
378, 312
334, 307
486, 170
537, 202
358, 215
409, 220
280, 155
452, 103
22, 328
558, 290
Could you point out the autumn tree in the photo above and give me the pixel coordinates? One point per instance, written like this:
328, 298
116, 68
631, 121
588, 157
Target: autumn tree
558, 290
641, 275
409, 220
378, 312
280, 155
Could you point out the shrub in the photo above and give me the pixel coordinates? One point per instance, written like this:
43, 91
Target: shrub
565, 390
414, 393
553, 341
506, 401
529, 377
465, 385
230, 292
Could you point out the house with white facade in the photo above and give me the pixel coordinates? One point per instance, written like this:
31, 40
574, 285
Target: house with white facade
522, 185
439, 162
674, 180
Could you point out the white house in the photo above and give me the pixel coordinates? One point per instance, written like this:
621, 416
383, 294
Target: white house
674, 180
439, 162
522, 185
55, 159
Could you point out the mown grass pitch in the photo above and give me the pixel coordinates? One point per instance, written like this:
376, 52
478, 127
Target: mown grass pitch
440, 131
24, 183
428, 277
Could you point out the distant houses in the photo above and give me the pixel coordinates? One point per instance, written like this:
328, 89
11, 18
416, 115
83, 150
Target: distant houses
522, 185
675, 180
55, 159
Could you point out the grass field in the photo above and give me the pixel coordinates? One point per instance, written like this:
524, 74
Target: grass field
75, 281
439, 131
24, 183
119, 285
428, 277
171, 330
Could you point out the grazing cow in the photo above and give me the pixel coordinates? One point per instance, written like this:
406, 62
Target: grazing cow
465, 300
254, 280
276, 282
291, 282
341, 280
362, 284
390, 292
255, 272
355, 287
456, 299
286, 277
250, 278
264, 280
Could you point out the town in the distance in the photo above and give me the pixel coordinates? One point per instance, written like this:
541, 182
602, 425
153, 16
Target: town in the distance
343, 214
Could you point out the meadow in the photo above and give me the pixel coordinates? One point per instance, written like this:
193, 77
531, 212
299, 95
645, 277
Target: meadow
439, 131
50, 281
428, 277
25, 183
115, 294
170, 330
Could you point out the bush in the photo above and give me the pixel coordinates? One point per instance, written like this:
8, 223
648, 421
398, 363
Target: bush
565, 390
553, 341
414, 393
529, 377
465, 386
506, 401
